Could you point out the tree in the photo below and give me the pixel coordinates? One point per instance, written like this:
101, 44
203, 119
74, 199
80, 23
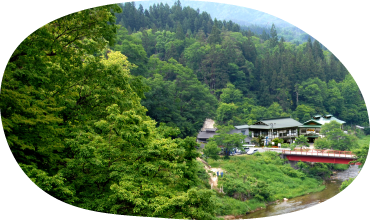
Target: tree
225, 113
322, 143
306, 117
214, 36
211, 150
132, 47
277, 141
301, 141
48, 76
230, 94
177, 98
337, 138
302, 111
180, 32
72, 117
274, 38
361, 155
228, 141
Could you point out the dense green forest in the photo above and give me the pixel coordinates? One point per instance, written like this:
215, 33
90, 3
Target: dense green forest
251, 75
101, 111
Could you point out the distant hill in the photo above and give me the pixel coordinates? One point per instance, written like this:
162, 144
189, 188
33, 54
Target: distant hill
241, 15
247, 18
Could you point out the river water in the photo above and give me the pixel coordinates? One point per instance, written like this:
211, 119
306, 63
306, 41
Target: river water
306, 201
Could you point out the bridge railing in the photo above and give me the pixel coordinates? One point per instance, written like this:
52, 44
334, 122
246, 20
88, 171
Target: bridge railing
318, 152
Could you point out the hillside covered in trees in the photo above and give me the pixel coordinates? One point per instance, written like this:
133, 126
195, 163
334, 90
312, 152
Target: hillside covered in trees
251, 75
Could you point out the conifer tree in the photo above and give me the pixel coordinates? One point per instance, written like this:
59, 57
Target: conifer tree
214, 36
179, 32
274, 38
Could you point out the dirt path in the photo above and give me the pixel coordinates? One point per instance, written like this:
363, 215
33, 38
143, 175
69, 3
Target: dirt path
213, 176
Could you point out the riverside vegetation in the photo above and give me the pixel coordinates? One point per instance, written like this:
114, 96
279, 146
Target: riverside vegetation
100, 108
253, 181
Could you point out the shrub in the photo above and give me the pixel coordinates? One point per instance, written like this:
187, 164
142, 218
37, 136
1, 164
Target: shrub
346, 183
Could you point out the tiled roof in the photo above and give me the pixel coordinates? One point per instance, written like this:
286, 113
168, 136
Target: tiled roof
204, 134
241, 126
281, 122
285, 122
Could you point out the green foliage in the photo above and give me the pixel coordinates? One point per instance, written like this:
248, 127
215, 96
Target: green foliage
367, 131
211, 150
229, 206
322, 143
302, 111
301, 141
225, 113
340, 167
78, 116
346, 183
47, 90
263, 178
231, 95
228, 141
277, 141
361, 154
317, 170
259, 141
286, 145
337, 139
260, 66
78, 129
132, 48
214, 36
176, 97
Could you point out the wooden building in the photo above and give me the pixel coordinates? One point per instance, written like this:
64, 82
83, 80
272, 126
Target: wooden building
311, 128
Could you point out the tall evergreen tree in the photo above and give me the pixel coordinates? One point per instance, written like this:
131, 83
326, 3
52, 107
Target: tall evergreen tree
179, 32
274, 40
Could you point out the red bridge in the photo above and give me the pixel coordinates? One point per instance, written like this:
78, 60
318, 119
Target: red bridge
321, 156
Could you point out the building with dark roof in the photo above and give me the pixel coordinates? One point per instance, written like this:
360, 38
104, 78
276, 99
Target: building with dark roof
207, 133
285, 128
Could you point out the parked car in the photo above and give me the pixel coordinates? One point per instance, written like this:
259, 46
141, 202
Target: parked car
252, 151
246, 149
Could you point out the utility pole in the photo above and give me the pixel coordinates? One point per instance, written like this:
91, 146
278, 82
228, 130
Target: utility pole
272, 130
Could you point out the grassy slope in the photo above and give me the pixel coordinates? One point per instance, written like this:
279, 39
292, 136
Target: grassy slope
365, 140
282, 180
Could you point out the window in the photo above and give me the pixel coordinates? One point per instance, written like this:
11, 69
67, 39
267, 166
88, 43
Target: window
293, 131
281, 134
275, 132
243, 132
303, 130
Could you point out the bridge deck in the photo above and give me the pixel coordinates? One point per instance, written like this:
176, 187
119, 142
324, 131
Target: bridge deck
322, 156
321, 153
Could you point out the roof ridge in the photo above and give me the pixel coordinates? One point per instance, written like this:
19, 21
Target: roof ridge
275, 118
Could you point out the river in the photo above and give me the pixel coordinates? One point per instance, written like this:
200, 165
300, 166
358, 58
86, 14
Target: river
306, 201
